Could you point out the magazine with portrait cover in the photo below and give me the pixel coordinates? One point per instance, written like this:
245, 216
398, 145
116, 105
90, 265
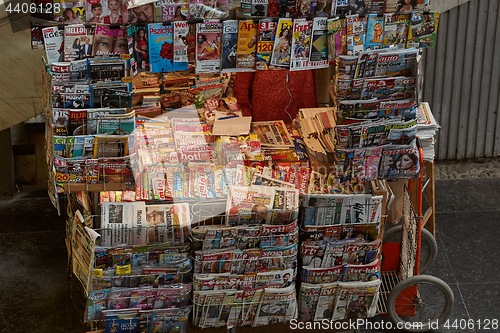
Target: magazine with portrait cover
245, 49
74, 35
76, 6
282, 43
208, 46
318, 57
356, 300
399, 161
277, 305
301, 44
53, 40
109, 41
229, 45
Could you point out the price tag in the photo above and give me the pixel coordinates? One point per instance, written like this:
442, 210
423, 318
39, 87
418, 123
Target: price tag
121, 270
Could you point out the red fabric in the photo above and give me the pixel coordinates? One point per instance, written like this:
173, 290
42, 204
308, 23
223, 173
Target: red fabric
265, 94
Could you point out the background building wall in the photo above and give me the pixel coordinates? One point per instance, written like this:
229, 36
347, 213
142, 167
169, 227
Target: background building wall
461, 81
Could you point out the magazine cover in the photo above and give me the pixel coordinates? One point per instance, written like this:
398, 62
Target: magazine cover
422, 31
73, 36
53, 40
161, 47
229, 45
337, 38
109, 41
174, 10
266, 34
282, 44
396, 29
71, 11
181, 31
301, 44
399, 162
245, 50
318, 57
374, 32
356, 34
208, 47
138, 48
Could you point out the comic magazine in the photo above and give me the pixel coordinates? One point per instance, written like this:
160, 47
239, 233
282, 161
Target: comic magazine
301, 44
374, 32
282, 43
396, 29
337, 37
53, 40
266, 33
181, 30
208, 47
318, 57
422, 31
245, 50
229, 45
356, 34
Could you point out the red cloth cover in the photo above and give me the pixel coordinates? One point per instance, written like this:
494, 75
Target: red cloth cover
265, 97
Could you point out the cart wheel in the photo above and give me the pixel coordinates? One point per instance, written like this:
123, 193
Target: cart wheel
420, 302
428, 246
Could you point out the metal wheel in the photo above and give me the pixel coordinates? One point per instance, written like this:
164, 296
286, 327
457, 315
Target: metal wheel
428, 246
419, 303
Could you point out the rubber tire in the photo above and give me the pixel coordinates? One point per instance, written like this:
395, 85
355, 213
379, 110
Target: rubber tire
415, 280
427, 238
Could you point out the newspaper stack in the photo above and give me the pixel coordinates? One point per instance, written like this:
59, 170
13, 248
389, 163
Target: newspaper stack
426, 130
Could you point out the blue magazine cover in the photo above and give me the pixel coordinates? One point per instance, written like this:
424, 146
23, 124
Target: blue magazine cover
161, 48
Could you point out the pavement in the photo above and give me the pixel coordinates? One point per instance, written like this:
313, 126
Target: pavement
38, 294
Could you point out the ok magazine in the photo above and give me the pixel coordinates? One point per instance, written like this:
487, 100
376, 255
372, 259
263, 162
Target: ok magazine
365, 323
